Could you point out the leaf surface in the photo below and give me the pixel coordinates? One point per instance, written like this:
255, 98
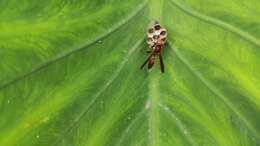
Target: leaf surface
69, 73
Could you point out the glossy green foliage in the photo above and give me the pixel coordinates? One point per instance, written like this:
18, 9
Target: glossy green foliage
69, 73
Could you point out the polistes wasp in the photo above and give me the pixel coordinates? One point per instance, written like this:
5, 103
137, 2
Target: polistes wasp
156, 39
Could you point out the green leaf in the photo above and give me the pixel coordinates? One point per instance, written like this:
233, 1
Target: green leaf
69, 73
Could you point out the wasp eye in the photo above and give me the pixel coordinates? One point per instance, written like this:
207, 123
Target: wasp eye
150, 30
157, 27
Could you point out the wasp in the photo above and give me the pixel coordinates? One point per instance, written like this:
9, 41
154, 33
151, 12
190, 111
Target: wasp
156, 39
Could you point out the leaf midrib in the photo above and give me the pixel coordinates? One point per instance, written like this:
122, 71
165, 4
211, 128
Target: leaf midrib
155, 14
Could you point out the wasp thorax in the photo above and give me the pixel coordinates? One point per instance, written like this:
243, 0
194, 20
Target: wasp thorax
156, 35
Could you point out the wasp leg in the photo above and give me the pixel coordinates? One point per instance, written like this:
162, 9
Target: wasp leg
148, 58
161, 62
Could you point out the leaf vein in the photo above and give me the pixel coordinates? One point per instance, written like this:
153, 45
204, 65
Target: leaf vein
79, 48
179, 123
209, 19
102, 90
214, 90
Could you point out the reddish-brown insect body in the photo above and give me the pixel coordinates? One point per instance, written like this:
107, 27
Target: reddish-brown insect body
156, 39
